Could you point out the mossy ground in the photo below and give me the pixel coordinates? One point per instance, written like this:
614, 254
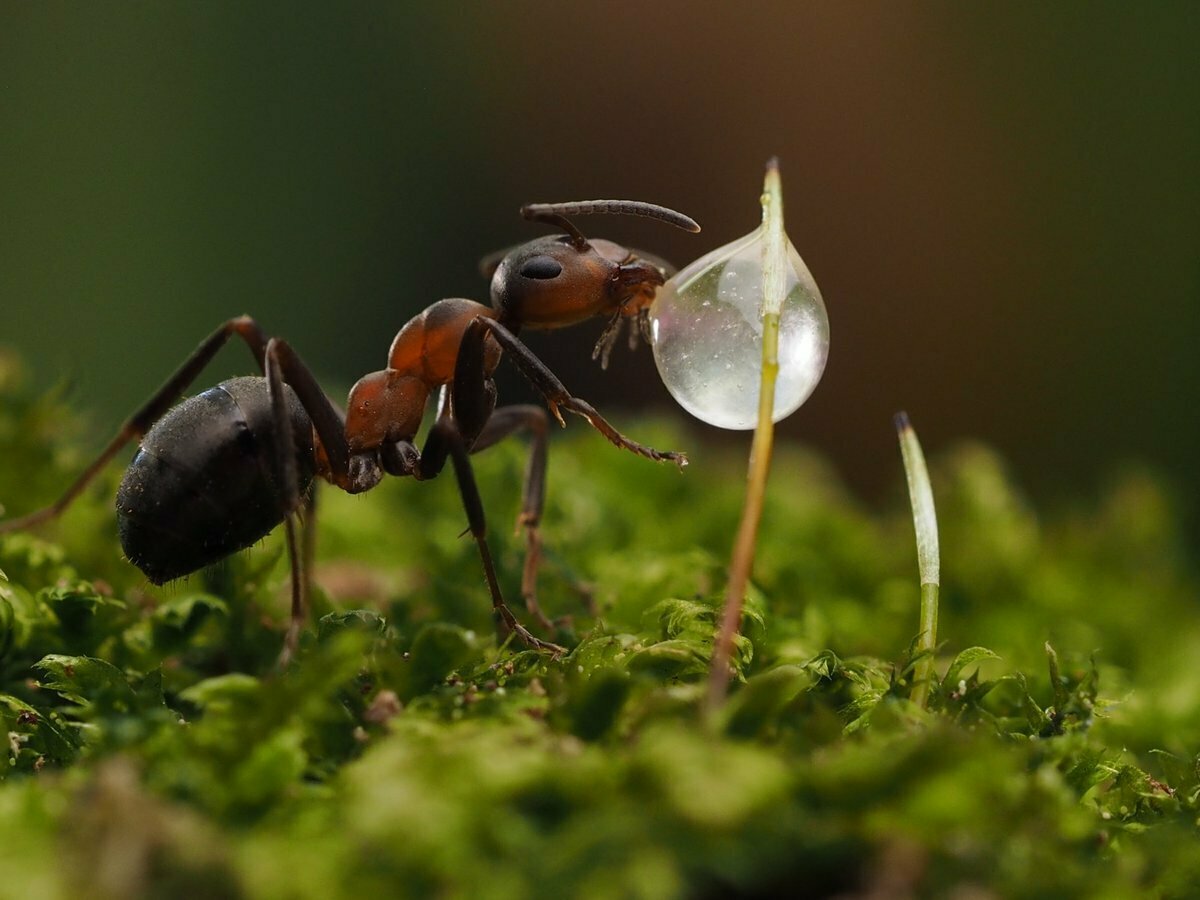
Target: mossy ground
153, 749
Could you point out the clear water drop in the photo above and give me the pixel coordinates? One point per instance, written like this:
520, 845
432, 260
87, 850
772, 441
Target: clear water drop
707, 333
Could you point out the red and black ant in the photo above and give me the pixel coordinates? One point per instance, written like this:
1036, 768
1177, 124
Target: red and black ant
219, 471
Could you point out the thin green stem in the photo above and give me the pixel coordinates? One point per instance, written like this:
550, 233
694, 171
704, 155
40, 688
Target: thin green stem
929, 559
742, 560
923, 672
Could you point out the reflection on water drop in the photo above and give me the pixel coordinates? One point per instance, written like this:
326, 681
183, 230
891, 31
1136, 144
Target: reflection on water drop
706, 329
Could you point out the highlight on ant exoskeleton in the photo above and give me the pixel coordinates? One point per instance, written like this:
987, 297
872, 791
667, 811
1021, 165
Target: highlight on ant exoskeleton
219, 471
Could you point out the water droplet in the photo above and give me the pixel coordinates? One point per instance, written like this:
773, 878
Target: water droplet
706, 328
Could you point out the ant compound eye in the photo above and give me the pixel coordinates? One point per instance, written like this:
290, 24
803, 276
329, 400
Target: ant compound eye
542, 268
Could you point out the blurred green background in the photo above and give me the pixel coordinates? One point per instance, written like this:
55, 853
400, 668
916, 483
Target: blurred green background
1001, 203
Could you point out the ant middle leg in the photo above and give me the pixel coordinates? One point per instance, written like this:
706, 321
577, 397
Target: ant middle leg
444, 442
471, 405
503, 422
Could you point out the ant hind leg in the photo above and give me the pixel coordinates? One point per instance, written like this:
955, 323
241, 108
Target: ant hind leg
285, 468
150, 412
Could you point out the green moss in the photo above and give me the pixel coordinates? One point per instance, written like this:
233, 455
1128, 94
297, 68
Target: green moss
153, 749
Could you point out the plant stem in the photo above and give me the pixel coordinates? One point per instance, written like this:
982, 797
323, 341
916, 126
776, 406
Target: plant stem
742, 561
923, 673
929, 560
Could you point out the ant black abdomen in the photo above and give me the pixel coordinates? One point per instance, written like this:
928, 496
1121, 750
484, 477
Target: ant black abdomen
204, 483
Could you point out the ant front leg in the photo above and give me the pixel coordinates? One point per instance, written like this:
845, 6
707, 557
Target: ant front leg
554, 391
150, 412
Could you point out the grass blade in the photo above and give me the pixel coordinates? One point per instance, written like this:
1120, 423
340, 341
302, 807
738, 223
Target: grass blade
920, 494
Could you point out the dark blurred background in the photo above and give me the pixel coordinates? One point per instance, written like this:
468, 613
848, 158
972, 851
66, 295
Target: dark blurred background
1001, 203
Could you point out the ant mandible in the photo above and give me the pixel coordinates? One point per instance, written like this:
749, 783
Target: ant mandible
221, 470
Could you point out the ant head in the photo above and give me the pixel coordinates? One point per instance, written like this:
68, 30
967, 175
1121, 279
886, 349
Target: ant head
560, 280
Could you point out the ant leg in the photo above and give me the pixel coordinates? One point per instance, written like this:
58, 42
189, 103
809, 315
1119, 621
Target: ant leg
555, 392
472, 401
282, 365
503, 422
328, 421
291, 641
150, 412
308, 519
446, 442
301, 553
285, 465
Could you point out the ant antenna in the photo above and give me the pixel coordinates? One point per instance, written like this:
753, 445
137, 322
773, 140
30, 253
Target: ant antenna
555, 214
545, 212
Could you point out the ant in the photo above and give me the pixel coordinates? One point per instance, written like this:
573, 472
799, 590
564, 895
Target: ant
218, 472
